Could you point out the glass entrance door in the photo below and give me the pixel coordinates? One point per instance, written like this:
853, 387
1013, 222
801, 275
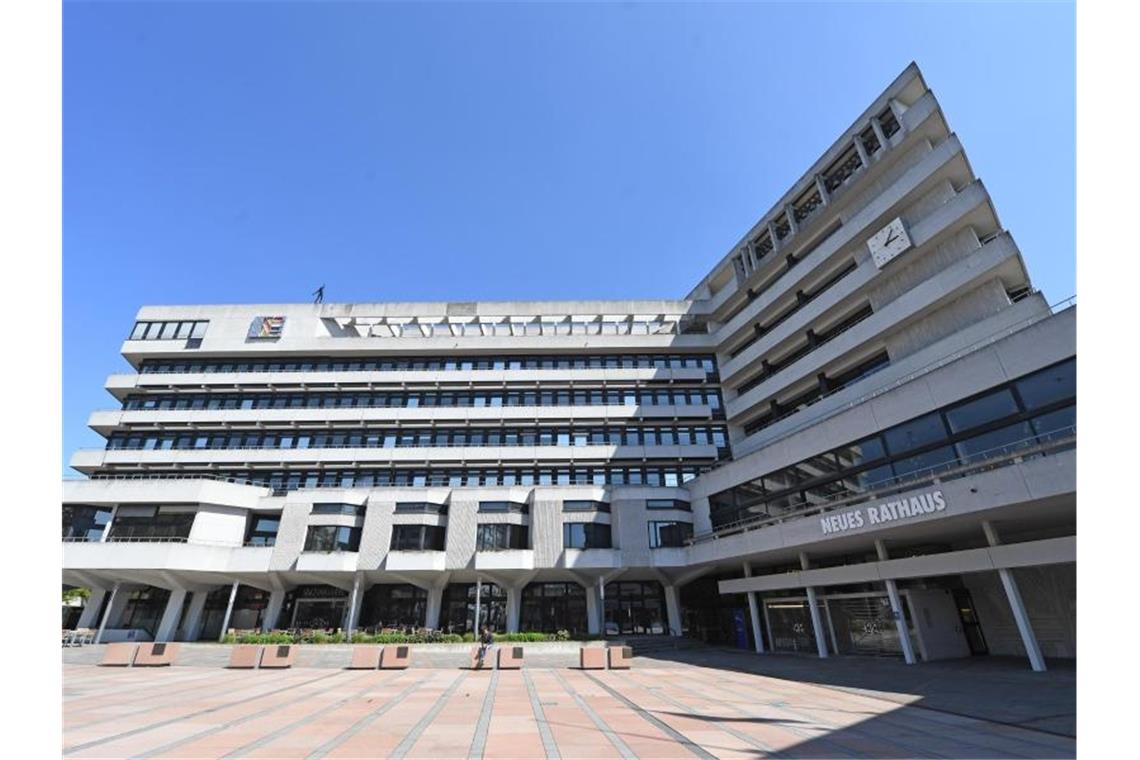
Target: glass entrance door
864, 625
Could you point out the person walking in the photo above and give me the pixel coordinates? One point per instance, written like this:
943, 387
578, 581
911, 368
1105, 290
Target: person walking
486, 640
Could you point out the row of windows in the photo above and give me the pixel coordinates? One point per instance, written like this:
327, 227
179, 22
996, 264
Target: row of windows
1035, 409
416, 399
169, 330
565, 475
802, 299
354, 510
325, 364
332, 538
501, 536
781, 409
811, 342
412, 438
504, 507
418, 538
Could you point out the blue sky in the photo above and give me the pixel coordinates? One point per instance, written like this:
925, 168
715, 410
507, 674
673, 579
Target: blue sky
247, 152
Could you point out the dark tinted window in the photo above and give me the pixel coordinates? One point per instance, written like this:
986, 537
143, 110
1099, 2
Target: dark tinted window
586, 536
332, 538
918, 432
1053, 384
980, 411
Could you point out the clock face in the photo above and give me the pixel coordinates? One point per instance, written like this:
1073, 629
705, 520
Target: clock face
889, 242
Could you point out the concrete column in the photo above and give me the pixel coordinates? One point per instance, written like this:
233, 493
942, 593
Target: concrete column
673, 609
1017, 606
90, 615
514, 608
193, 624
229, 612
273, 610
478, 602
813, 609
754, 613
168, 625
862, 151
897, 609
434, 603
593, 619
793, 225
821, 186
107, 613
353, 611
776, 244
602, 606
877, 128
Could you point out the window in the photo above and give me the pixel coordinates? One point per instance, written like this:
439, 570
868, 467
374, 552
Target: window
262, 530
499, 507
918, 432
584, 505
500, 536
420, 507
417, 538
980, 411
168, 330
586, 536
668, 504
83, 523
151, 524
664, 534
332, 538
1056, 383
338, 509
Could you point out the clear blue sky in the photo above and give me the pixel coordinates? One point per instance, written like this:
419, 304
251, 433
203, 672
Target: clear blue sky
250, 151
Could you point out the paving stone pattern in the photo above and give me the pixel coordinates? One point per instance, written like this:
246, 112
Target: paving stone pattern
672, 710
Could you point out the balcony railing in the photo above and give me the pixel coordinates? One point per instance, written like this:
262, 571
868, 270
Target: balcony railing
1052, 442
1055, 308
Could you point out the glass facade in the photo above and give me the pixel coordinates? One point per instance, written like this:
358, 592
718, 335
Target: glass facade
84, 523
635, 607
457, 614
332, 538
399, 606
552, 607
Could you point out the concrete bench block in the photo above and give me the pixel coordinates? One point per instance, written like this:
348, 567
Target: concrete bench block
510, 658
396, 657
592, 658
278, 656
119, 655
156, 655
245, 656
475, 659
365, 658
621, 658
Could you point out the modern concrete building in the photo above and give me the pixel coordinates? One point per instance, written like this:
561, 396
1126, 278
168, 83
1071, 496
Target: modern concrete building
855, 435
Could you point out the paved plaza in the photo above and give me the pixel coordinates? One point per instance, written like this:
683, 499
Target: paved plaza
666, 709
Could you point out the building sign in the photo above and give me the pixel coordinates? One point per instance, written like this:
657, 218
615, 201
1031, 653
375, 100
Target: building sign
266, 327
888, 243
886, 512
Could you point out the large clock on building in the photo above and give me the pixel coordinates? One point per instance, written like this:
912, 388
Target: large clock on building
889, 242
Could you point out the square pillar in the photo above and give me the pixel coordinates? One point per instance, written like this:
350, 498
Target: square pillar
813, 609
168, 625
434, 603
593, 606
354, 602
192, 625
1016, 605
673, 609
89, 618
229, 612
117, 601
273, 610
754, 613
514, 608
896, 609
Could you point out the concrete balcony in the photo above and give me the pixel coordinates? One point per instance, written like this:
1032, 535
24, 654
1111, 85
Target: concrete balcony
582, 559
317, 562
669, 556
145, 555
508, 559
410, 561
250, 559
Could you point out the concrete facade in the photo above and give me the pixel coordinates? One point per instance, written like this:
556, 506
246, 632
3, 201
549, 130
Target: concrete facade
697, 466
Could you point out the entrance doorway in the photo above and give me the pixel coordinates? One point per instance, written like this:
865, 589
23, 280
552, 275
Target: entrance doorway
635, 607
971, 627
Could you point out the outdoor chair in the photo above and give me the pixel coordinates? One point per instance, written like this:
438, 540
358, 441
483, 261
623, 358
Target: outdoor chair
621, 658
396, 657
120, 655
155, 655
510, 658
592, 658
278, 656
365, 658
245, 656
